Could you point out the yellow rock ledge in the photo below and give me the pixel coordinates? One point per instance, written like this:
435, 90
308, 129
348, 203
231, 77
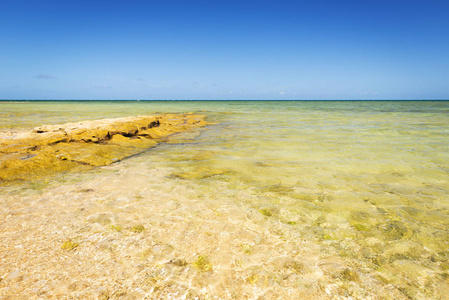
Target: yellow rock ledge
51, 149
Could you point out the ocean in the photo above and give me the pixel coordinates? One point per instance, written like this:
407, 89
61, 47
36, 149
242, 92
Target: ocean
272, 200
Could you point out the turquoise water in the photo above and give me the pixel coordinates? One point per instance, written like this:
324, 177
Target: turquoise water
364, 182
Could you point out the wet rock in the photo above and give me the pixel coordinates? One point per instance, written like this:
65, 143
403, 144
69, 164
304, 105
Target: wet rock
266, 212
269, 211
179, 262
154, 124
349, 275
360, 227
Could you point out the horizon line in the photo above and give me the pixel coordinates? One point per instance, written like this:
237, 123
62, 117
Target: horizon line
149, 100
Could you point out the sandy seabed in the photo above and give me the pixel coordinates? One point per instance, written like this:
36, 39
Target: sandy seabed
121, 234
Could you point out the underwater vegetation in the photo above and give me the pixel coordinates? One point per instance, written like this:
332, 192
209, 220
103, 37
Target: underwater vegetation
203, 263
69, 245
137, 228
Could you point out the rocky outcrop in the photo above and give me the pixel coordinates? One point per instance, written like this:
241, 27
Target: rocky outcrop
52, 149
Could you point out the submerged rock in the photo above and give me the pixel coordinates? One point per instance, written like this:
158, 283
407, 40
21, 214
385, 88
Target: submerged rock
394, 230
51, 149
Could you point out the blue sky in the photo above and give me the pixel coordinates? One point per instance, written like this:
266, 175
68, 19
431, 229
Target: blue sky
204, 50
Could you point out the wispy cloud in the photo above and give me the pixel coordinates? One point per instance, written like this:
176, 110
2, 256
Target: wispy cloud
104, 86
362, 92
45, 76
164, 86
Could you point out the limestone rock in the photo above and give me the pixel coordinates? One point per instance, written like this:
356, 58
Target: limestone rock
50, 149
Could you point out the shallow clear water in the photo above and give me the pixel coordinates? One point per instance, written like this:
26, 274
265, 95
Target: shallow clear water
365, 183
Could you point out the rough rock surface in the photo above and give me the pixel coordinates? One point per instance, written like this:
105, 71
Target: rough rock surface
51, 149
